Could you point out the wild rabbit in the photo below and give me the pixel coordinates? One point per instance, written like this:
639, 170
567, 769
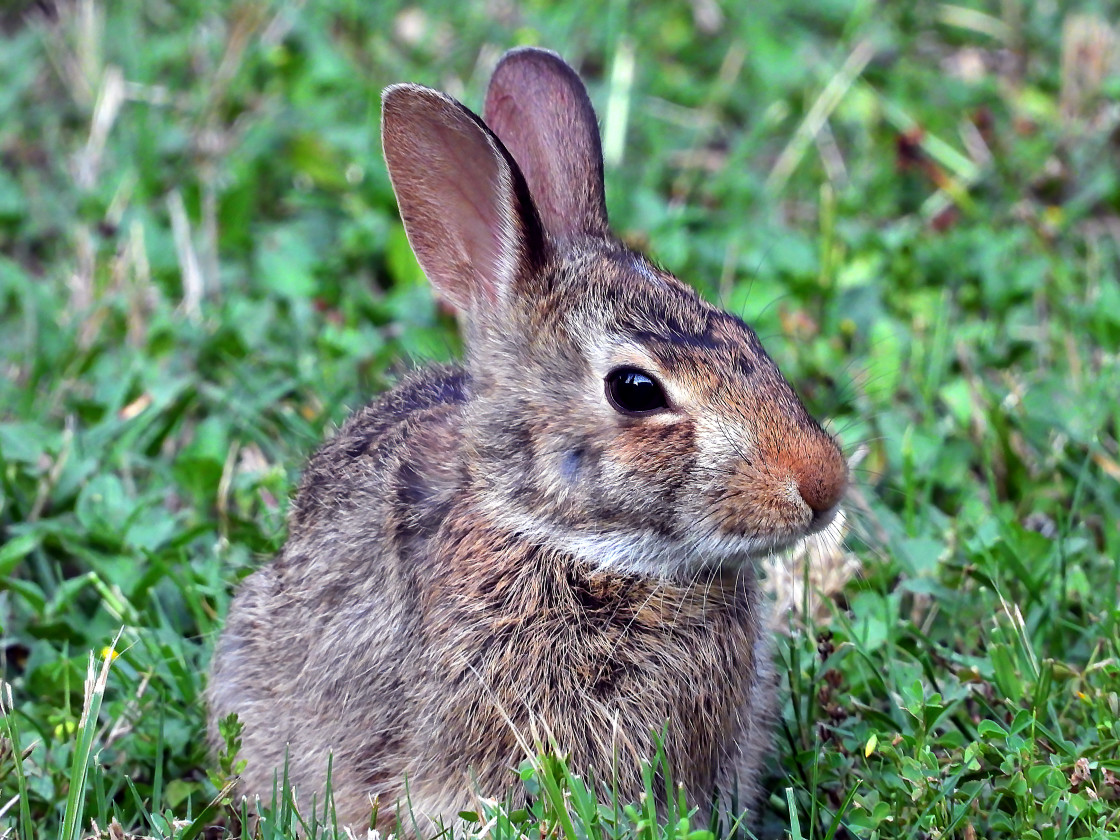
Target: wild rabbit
557, 536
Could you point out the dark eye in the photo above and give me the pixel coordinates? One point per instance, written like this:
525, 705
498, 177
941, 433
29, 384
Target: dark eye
632, 391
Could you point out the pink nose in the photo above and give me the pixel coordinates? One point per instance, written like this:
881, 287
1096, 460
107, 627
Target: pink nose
822, 476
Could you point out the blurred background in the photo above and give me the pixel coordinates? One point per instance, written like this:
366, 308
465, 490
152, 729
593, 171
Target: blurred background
915, 204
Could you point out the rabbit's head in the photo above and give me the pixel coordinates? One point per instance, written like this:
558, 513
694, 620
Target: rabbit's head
611, 412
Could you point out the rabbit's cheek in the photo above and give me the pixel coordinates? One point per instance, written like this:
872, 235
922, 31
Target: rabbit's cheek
655, 457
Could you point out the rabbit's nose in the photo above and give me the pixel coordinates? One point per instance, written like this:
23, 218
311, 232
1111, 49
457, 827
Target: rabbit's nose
822, 479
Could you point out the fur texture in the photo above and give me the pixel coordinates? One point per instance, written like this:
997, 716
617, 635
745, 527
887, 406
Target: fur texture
496, 549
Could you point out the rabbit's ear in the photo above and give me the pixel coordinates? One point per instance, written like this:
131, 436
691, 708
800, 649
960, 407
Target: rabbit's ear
466, 208
540, 110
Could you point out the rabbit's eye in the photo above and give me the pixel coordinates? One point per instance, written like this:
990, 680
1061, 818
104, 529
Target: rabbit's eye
632, 391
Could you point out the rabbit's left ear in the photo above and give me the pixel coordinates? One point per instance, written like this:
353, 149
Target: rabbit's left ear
539, 109
465, 206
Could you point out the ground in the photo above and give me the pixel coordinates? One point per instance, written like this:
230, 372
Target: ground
915, 204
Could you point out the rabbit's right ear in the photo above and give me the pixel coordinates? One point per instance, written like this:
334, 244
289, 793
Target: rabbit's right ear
464, 204
540, 110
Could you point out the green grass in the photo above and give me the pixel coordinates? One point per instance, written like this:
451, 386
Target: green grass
916, 204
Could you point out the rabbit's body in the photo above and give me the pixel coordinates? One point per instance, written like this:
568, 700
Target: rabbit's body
436, 657
556, 539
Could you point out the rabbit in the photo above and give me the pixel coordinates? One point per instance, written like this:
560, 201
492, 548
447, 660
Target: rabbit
558, 536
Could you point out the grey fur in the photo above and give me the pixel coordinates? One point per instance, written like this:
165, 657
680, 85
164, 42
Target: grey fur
492, 551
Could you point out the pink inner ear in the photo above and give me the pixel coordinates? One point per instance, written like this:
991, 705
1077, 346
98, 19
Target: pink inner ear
539, 109
472, 179
456, 195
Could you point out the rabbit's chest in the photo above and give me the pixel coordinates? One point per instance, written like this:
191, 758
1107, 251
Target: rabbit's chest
602, 664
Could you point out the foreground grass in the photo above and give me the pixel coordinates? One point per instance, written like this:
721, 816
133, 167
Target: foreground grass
915, 204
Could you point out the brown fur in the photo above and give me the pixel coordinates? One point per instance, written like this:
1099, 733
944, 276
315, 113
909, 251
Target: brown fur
494, 550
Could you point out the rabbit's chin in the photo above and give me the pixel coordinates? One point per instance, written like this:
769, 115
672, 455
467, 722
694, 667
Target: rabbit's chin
655, 556
689, 559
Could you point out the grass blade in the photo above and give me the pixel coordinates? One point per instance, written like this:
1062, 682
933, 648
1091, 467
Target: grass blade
96, 681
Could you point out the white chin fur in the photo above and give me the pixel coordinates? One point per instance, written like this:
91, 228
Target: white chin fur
652, 555
655, 556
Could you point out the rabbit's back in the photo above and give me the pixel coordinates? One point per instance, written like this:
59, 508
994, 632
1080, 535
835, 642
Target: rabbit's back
320, 650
